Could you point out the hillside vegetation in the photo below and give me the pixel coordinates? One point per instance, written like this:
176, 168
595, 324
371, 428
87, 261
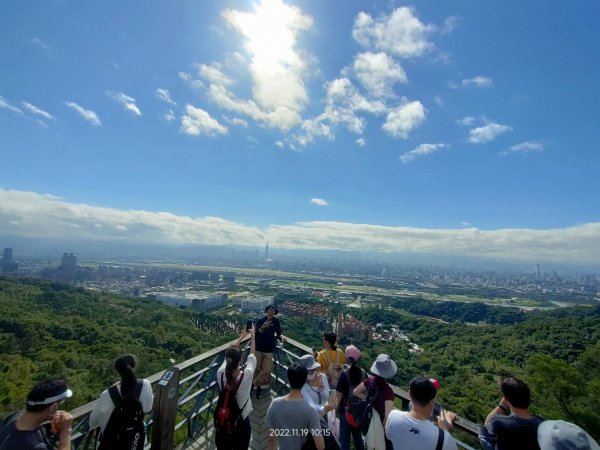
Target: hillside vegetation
49, 329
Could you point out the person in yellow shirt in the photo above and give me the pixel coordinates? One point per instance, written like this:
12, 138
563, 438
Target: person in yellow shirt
332, 359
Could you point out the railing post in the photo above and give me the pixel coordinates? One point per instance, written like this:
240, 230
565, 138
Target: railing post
165, 410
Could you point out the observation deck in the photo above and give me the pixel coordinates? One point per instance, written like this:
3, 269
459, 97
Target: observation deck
185, 397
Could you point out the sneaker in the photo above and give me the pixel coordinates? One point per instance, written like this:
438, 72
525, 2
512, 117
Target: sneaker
258, 391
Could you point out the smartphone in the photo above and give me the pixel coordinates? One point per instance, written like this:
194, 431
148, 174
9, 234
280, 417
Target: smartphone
437, 409
248, 325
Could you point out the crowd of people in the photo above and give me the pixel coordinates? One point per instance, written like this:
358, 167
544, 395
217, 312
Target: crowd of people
332, 401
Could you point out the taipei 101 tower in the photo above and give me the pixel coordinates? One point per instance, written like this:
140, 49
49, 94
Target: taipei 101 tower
267, 251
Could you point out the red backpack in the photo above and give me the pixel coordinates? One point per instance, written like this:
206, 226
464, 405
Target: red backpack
228, 413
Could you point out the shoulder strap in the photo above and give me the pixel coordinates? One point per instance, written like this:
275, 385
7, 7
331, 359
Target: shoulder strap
138, 388
328, 357
337, 355
115, 395
440, 441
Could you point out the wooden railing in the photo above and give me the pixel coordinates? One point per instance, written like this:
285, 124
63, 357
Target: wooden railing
197, 395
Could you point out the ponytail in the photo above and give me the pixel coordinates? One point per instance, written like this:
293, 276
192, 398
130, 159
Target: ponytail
355, 373
125, 365
229, 370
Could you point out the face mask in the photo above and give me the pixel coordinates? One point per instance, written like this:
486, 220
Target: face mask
311, 376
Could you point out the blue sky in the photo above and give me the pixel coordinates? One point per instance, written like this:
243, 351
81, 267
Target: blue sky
437, 127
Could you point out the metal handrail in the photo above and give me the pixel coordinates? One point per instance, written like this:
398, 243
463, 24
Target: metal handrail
198, 393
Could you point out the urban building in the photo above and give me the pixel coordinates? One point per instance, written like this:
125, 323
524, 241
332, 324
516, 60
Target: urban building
255, 304
8, 263
348, 326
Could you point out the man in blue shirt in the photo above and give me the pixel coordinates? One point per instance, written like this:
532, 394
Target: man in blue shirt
510, 426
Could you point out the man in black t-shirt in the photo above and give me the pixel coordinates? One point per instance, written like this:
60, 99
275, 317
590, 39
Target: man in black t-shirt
268, 332
23, 431
510, 426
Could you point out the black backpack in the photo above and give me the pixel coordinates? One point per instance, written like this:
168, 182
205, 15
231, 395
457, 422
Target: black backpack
361, 411
228, 413
125, 429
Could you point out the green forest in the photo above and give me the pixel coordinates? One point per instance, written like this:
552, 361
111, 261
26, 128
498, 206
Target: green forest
50, 329
556, 352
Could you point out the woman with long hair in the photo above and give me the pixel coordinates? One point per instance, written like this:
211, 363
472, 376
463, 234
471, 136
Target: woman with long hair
377, 388
350, 378
331, 358
231, 376
130, 389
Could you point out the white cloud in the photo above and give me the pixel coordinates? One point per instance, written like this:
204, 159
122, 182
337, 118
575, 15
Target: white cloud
276, 66
439, 100
196, 121
319, 202
478, 81
38, 111
125, 100
361, 142
401, 33
29, 214
449, 24
421, 150
524, 147
466, 121
87, 114
37, 41
279, 144
169, 116
343, 104
7, 105
236, 121
164, 95
190, 81
378, 73
487, 133
403, 119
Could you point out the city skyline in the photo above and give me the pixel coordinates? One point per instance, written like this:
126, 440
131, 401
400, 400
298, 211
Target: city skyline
425, 128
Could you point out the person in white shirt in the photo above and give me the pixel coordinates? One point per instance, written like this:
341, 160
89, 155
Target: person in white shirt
127, 387
231, 373
316, 389
413, 430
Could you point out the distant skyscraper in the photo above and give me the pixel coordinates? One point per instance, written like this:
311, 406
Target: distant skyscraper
68, 261
537, 271
7, 255
8, 264
267, 250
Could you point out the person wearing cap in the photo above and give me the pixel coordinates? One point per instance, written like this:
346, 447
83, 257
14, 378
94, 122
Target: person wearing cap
414, 430
291, 420
561, 435
510, 425
331, 358
268, 332
127, 386
229, 374
351, 377
25, 431
316, 393
316, 389
377, 387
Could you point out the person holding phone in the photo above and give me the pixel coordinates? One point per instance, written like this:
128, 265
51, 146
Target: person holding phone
229, 375
268, 332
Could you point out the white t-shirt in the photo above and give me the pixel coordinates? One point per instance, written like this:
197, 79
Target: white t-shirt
408, 433
105, 406
310, 394
243, 393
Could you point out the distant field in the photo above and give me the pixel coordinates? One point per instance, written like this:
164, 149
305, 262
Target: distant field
322, 282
